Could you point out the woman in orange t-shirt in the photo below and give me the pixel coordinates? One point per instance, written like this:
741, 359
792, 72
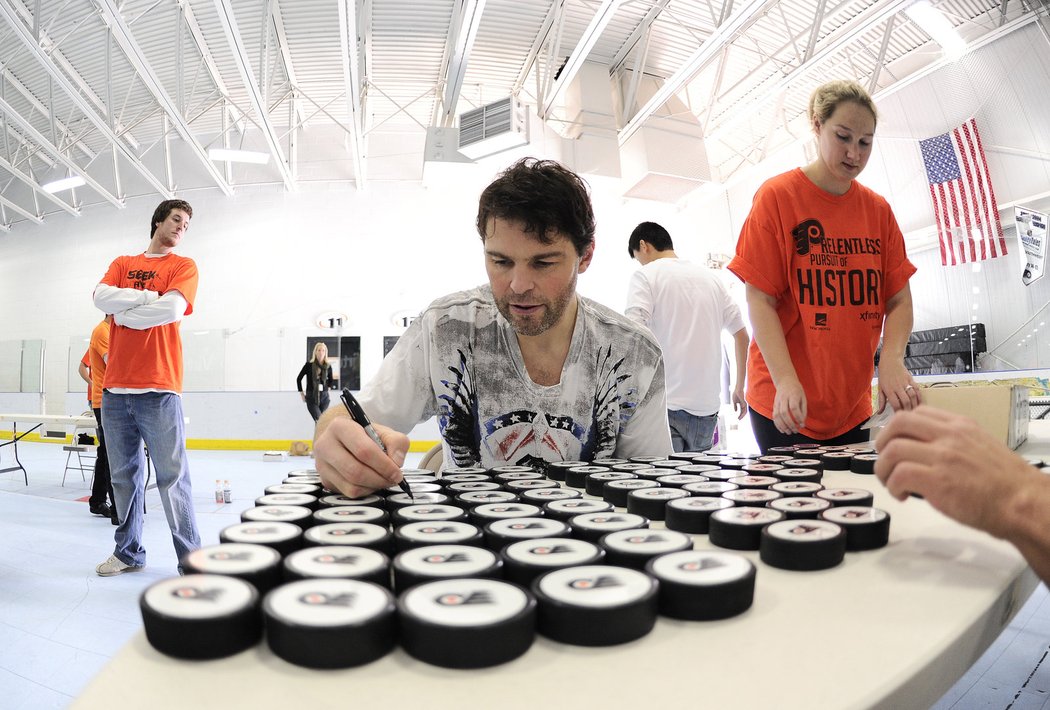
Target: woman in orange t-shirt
826, 273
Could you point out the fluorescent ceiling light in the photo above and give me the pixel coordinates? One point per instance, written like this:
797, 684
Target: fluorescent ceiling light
64, 184
238, 156
937, 26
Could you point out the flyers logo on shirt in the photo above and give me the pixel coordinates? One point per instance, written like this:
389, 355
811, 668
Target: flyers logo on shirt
824, 277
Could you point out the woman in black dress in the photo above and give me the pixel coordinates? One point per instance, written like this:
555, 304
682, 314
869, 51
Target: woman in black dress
318, 375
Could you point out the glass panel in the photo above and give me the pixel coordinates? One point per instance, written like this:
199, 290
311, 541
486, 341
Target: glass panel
32, 366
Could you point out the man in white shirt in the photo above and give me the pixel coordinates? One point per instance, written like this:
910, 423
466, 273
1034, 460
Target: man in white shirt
522, 370
686, 307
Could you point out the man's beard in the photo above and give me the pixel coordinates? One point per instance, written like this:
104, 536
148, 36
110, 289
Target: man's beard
552, 312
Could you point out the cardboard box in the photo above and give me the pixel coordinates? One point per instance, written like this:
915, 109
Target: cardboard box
1000, 409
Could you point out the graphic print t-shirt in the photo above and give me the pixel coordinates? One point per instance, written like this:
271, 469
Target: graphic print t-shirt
831, 261
460, 361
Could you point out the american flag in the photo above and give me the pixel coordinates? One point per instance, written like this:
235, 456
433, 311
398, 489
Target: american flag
964, 204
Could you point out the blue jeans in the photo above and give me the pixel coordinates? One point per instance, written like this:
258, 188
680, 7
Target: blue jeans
690, 432
156, 419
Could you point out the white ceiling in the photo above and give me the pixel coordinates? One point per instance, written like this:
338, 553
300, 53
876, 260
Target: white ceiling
131, 95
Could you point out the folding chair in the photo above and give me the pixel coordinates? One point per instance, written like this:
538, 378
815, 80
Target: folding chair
85, 448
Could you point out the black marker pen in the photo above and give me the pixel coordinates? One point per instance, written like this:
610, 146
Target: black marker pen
359, 416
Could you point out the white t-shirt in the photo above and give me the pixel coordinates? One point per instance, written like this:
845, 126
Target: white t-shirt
460, 361
687, 307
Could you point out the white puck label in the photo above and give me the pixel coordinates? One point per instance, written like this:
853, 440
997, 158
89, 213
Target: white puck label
336, 561
804, 530
259, 533
429, 512
346, 500
578, 505
346, 534
748, 516
554, 551
659, 493
232, 558
276, 513
465, 602
700, 503
647, 541
327, 602
701, 567
199, 596
855, 515
528, 527
349, 514
446, 560
609, 521
596, 585
436, 533
507, 510
285, 499
292, 488
403, 499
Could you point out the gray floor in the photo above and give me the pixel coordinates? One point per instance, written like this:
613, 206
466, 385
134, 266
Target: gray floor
60, 623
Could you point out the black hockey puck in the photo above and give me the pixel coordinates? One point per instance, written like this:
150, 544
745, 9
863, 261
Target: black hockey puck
427, 513
754, 497
482, 515
330, 623
810, 475
800, 507
836, 460
596, 605
304, 499
793, 489
425, 564
376, 501
754, 481
467, 623
703, 585
351, 514
374, 537
803, 545
577, 477
709, 488
615, 492
500, 533
680, 480
401, 500
542, 496
846, 496
282, 537
525, 560
692, 515
415, 535
295, 514
469, 500
863, 463
866, 528
593, 526
650, 502
556, 469
633, 548
201, 616
595, 482
258, 565
338, 562
521, 486
307, 488
566, 509
740, 528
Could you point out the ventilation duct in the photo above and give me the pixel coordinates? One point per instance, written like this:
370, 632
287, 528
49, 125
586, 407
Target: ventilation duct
664, 160
493, 128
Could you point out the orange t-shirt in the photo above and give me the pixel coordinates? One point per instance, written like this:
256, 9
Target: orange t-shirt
149, 359
96, 355
832, 262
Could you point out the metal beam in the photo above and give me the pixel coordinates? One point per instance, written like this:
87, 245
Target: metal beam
28, 180
15, 208
590, 37
243, 65
709, 50
352, 82
555, 11
22, 33
41, 140
461, 42
640, 31
126, 41
878, 13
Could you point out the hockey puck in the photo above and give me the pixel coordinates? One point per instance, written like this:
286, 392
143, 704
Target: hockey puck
481, 476
482, 515
520, 486
615, 492
692, 514
596, 481
305, 488
295, 514
449, 532
803, 463
866, 528
303, 499
863, 463
650, 502
703, 585
456, 470
469, 500
811, 475
376, 501
467, 623
633, 548
258, 565
577, 477
282, 537
525, 560
608, 462
800, 507
836, 460
596, 605
511, 468
556, 469
740, 528
351, 514
773, 459
460, 487
201, 616
793, 489
566, 509
802, 545
754, 481
430, 562
846, 496
540, 496
592, 526
330, 623
374, 537
500, 533
427, 513
403, 500
755, 497
709, 488
338, 562
679, 480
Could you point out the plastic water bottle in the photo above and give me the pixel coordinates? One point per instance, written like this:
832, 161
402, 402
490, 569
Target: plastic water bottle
227, 494
219, 495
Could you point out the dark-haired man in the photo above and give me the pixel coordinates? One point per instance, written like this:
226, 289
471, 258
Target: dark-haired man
520, 371
148, 294
687, 308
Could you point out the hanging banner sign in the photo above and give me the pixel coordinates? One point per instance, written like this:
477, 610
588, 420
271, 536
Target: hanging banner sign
1031, 235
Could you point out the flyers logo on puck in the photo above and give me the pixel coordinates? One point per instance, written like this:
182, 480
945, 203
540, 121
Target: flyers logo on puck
550, 550
480, 597
700, 565
196, 593
442, 559
224, 556
525, 526
436, 531
643, 539
337, 559
320, 599
603, 581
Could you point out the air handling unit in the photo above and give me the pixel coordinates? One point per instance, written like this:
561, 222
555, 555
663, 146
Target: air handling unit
493, 128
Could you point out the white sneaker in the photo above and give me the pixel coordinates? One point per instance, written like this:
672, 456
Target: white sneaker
113, 566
